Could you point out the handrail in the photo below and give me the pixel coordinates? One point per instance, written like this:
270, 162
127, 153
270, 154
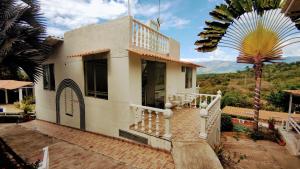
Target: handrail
213, 103
209, 114
141, 118
148, 108
45, 163
294, 125
134, 20
147, 38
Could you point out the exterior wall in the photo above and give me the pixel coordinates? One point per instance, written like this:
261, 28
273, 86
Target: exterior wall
174, 48
101, 116
176, 79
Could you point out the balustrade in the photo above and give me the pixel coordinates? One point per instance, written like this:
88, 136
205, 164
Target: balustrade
144, 37
148, 120
209, 113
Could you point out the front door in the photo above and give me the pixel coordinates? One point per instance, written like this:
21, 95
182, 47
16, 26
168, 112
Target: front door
153, 83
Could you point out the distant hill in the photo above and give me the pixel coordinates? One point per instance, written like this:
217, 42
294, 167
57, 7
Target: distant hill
218, 66
238, 88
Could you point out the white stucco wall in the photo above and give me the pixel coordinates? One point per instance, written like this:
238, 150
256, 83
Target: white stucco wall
101, 116
124, 78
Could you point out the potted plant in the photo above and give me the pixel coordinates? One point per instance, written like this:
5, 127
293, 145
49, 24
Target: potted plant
271, 123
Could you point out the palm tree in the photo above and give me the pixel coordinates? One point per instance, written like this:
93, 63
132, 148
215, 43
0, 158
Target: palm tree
255, 28
22, 34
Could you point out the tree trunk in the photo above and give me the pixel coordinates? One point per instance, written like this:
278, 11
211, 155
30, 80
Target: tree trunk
258, 74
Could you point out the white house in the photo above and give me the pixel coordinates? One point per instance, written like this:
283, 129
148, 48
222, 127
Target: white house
99, 73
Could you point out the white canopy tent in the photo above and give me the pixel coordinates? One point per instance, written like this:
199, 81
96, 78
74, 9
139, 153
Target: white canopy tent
13, 85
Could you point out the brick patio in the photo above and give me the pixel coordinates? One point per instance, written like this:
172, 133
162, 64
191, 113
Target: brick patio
129, 153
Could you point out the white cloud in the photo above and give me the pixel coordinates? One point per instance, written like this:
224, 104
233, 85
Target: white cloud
171, 21
64, 15
70, 14
55, 31
293, 50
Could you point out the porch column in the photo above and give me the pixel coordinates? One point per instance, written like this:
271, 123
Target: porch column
20, 95
6, 96
167, 116
289, 113
203, 121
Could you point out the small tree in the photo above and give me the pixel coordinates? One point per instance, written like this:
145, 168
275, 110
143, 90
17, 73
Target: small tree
253, 29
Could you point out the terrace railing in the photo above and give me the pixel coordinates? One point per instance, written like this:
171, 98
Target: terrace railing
147, 120
292, 123
209, 113
147, 38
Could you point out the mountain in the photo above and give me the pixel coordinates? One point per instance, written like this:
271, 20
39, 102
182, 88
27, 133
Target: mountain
218, 66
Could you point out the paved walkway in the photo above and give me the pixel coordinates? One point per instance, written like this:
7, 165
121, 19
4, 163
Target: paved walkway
194, 155
186, 125
120, 152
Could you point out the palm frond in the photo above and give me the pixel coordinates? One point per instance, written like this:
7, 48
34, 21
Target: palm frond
22, 35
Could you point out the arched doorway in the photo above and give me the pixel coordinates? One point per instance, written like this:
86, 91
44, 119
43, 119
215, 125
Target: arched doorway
65, 86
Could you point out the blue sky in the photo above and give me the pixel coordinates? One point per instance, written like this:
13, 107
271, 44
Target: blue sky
181, 20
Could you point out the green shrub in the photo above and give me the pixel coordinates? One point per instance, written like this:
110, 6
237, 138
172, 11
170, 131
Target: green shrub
226, 123
233, 98
240, 128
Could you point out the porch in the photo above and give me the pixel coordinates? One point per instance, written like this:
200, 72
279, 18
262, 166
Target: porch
195, 118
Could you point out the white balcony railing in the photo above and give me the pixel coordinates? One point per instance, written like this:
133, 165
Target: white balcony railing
209, 113
144, 37
147, 120
292, 123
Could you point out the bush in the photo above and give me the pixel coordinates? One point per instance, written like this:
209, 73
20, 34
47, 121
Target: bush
236, 99
226, 123
240, 128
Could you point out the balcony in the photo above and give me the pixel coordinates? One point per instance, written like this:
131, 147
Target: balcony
146, 38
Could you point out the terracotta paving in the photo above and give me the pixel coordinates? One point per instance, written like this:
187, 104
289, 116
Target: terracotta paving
131, 154
185, 124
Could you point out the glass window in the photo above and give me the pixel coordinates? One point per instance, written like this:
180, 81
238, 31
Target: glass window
188, 77
96, 78
48, 77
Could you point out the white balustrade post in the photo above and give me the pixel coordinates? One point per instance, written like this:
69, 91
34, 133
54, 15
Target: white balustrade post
157, 124
136, 118
167, 116
150, 121
143, 119
203, 121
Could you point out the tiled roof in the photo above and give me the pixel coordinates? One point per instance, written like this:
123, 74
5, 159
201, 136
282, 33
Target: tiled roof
13, 84
153, 55
263, 114
92, 52
293, 92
